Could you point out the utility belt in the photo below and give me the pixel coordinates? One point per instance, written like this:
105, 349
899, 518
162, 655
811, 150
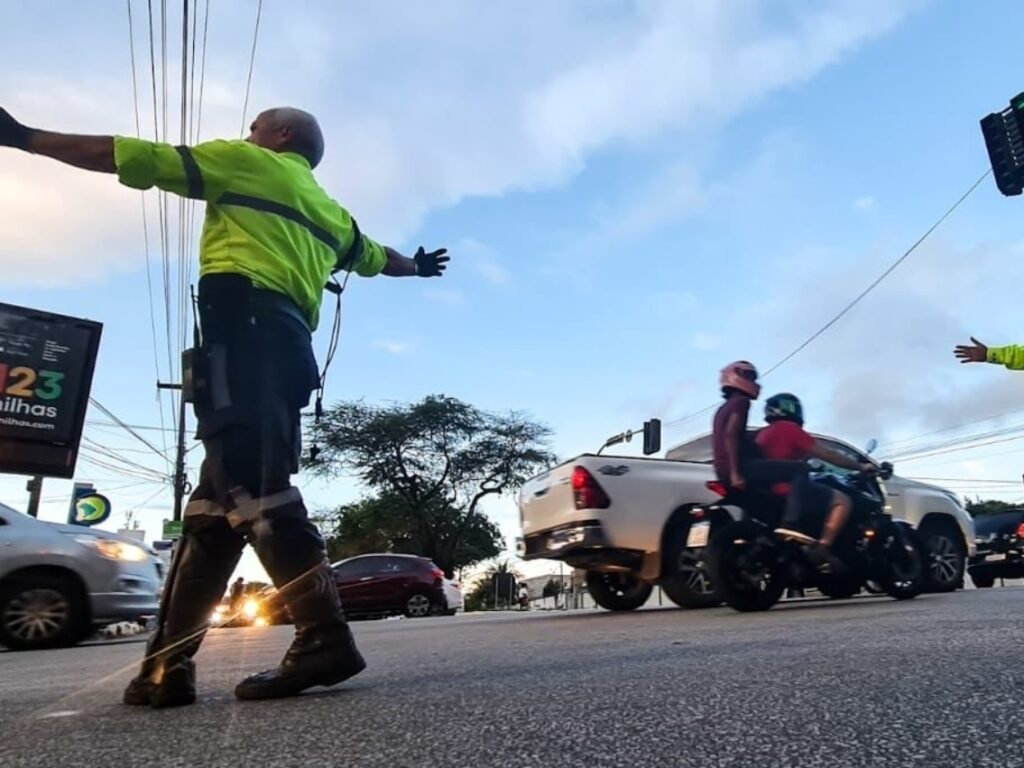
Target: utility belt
246, 339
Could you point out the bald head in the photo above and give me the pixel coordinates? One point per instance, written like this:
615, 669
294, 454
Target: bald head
286, 129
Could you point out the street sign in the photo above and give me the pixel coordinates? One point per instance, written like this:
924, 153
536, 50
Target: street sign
172, 529
78, 491
46, 367
91, 509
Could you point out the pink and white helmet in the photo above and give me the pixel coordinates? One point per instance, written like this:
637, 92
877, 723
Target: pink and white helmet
741, 376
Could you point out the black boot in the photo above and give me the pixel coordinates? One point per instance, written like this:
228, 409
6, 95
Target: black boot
318, 656
207, 555
323, 652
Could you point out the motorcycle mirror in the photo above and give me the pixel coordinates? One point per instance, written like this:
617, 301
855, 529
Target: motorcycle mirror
872, 445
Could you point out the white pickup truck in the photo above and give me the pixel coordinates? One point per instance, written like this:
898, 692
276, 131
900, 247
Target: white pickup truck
626, 522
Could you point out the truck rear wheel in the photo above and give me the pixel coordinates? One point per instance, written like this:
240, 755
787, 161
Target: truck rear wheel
618, 591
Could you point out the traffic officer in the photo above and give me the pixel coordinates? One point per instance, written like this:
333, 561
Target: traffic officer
271, 239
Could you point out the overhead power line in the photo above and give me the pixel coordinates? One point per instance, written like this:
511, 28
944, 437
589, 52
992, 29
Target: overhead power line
855, 301
252, 62
127, 428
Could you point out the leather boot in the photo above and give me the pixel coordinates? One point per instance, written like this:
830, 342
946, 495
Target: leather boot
207, 555
323, 652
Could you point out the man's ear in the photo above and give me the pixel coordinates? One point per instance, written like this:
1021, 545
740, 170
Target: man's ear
285, 135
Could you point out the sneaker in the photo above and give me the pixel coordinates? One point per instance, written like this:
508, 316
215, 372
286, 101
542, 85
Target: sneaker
791, 534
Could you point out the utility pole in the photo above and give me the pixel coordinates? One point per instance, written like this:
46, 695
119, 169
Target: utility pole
179, 461
35, 491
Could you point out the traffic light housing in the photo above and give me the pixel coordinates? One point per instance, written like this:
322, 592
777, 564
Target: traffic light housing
1004, 141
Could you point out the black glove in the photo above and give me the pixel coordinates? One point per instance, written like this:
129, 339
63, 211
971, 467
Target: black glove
12, 133
432, 264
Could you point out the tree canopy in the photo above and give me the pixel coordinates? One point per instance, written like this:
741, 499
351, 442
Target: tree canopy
428, 466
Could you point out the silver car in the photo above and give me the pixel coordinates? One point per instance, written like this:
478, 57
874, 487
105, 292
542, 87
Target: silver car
59, 582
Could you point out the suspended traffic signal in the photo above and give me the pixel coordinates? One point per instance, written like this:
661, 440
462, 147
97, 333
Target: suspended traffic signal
1005, 144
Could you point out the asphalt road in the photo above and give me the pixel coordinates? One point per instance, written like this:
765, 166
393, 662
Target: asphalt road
938, 681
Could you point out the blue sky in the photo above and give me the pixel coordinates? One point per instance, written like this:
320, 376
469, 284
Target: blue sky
633, 193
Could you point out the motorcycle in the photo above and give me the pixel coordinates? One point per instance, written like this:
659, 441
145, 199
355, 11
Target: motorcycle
752, 567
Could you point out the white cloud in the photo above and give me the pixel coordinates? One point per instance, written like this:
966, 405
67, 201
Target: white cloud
864, 203
705, 341
394, 347
513, 102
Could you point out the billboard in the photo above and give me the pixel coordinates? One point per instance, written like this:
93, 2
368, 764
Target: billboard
46, 367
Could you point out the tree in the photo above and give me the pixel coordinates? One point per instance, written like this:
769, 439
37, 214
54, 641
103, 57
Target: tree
430, 464
386, 524
481, 595
981, 508
553, 588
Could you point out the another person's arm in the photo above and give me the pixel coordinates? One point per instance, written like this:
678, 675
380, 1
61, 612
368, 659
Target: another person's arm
1011, 356
819, 451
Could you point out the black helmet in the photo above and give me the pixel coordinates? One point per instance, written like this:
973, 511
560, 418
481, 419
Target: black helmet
783, 407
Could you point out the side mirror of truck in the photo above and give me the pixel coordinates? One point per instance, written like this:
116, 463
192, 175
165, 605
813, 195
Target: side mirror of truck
652, 436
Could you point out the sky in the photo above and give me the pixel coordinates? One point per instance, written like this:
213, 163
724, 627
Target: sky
633, 194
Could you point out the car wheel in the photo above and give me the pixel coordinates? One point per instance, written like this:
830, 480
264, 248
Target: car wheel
946, 555
418, 606
687, 580
983, 580
41, 612
618, 591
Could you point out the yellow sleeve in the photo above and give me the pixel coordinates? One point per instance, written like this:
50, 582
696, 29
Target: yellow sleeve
1012, 356
373, 260
202, 172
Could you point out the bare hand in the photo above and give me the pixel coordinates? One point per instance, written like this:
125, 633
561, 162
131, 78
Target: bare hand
976, 352
737, 481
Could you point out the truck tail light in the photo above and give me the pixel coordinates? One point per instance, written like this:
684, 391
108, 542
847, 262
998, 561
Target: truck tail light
586, 491
716, 487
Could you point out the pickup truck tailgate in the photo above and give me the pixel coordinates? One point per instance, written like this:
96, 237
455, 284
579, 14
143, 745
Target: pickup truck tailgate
547, 500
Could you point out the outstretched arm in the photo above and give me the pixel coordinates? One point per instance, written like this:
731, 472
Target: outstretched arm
1011, 356
93, 153
423, 264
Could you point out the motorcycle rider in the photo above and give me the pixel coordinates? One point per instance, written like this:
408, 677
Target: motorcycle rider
737, 461
785, 439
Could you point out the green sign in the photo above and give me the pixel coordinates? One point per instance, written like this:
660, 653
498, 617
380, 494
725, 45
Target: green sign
92, 509
172, 529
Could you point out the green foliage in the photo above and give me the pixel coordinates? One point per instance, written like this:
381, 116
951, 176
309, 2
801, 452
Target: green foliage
428, 465
981, 508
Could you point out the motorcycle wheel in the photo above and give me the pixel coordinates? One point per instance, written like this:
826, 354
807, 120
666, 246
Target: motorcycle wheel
743, 562
901, 563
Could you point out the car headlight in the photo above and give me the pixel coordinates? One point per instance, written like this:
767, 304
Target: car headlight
113, 549
251, 609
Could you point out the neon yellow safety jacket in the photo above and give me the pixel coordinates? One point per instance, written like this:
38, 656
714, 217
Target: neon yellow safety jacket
1012, 356
267, 218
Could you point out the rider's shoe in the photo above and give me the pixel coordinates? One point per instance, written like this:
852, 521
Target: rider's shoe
822, 558
791, 534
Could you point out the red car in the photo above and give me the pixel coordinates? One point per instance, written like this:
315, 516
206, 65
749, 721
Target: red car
376, 585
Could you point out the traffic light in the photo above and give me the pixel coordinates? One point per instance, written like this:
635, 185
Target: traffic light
1005, 144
